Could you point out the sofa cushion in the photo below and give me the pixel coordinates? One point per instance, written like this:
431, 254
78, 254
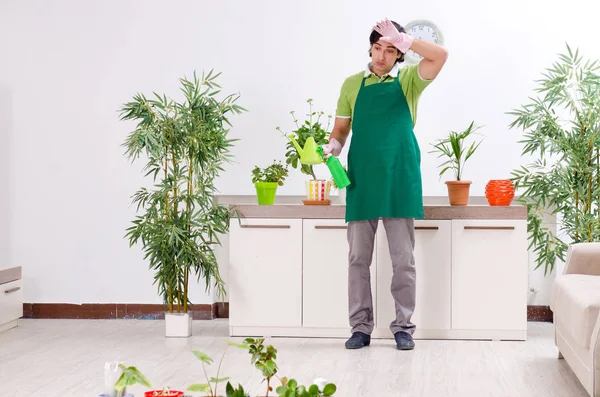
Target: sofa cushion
576, 303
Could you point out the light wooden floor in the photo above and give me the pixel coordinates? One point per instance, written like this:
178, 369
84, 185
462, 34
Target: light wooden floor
48, 358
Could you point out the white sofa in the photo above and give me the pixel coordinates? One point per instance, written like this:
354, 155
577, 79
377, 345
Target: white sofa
575, 303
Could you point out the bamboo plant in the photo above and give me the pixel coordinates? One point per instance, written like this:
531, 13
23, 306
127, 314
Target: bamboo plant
185, 145
562, 134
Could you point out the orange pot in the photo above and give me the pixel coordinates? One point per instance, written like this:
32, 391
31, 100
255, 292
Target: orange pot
458, 192
499, 192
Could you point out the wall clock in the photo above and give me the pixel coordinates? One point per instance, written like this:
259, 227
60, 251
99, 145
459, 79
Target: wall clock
424, 30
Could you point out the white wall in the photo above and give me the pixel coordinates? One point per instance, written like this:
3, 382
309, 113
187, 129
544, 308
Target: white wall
68, 65
5, 128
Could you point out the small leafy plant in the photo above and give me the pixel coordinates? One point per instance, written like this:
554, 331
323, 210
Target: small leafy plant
309, 128
276, 173
455, 151
263, 358
231, 392
292, 389
208, 388
129, 377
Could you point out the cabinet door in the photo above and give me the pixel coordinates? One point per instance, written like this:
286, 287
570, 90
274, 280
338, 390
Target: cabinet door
11, 301
489, 274
265, 272
325, 274
433, 278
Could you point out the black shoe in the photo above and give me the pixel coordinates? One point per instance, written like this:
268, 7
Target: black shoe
358, 340
404, 341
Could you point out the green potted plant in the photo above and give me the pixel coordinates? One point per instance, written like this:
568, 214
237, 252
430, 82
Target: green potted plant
266, 180
317, 190
185, 145
130, 376
456, 153
562, 136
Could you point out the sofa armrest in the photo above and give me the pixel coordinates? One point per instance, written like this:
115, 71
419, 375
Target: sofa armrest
583, 258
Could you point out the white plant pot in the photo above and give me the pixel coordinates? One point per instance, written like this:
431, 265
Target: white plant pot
178, 325
342, 196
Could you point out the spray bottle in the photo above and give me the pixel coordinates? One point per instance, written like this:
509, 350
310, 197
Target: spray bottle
337, 170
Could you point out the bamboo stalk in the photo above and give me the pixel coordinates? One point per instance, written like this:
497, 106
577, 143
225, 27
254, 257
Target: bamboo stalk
189, 227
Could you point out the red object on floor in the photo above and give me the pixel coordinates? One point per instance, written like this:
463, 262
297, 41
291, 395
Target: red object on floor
158, 393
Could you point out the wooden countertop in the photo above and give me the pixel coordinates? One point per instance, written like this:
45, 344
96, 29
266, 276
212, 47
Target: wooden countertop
433, 212
11, 274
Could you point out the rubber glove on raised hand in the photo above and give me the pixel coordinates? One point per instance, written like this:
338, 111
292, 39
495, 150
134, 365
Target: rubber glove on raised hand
389, 33
333, 148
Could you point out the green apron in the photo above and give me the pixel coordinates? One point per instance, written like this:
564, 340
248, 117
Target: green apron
384, 159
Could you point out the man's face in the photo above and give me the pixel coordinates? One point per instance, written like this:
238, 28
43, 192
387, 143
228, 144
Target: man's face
383, 57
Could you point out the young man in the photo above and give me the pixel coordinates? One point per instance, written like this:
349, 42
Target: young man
380, 106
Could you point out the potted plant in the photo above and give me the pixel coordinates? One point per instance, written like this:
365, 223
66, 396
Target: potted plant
130, 376
562, 135
211, 385
455, 151
317, 190
185, 145
266, 180
262, 357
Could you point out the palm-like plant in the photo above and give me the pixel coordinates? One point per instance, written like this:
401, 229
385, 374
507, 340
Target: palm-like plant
562, 128
185, 145
454, 150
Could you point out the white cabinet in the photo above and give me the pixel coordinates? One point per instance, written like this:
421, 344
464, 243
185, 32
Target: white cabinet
289, 277
433, 280
489, 275
11, 298
265, 273
325, 274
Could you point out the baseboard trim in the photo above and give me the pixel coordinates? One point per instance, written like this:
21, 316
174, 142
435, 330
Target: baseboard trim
105, 311
540, 313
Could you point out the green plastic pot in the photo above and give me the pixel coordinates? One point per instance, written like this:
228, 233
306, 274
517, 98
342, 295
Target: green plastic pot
265, 191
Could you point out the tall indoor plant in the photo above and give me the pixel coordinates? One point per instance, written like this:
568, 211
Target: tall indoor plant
184, 145
455, 151
562, 133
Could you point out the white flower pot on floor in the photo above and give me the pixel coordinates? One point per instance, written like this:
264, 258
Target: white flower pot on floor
178, 325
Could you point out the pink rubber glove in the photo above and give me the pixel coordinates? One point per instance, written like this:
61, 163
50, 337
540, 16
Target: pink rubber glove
333, 148
389, 33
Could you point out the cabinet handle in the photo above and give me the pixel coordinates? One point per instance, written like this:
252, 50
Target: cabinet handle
489, 228
10, 291
427, 227
265, 226
330, 227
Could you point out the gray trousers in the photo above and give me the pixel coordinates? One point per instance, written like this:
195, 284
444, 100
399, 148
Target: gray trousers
401, 243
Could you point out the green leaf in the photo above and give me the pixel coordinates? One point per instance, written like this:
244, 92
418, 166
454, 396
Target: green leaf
329, 389
219, 380
200, 387
203, 357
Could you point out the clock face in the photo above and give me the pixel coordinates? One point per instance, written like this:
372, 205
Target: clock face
423, 30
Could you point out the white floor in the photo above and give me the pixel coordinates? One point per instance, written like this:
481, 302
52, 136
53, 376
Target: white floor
48, 358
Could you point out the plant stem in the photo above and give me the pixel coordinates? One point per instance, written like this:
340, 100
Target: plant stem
219, 368
268, 386
189, 229
208, 382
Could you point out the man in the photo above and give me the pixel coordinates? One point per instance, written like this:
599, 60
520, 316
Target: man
380, 106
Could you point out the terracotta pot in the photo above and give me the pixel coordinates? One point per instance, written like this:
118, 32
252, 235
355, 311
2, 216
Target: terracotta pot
499, 192
458, 192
